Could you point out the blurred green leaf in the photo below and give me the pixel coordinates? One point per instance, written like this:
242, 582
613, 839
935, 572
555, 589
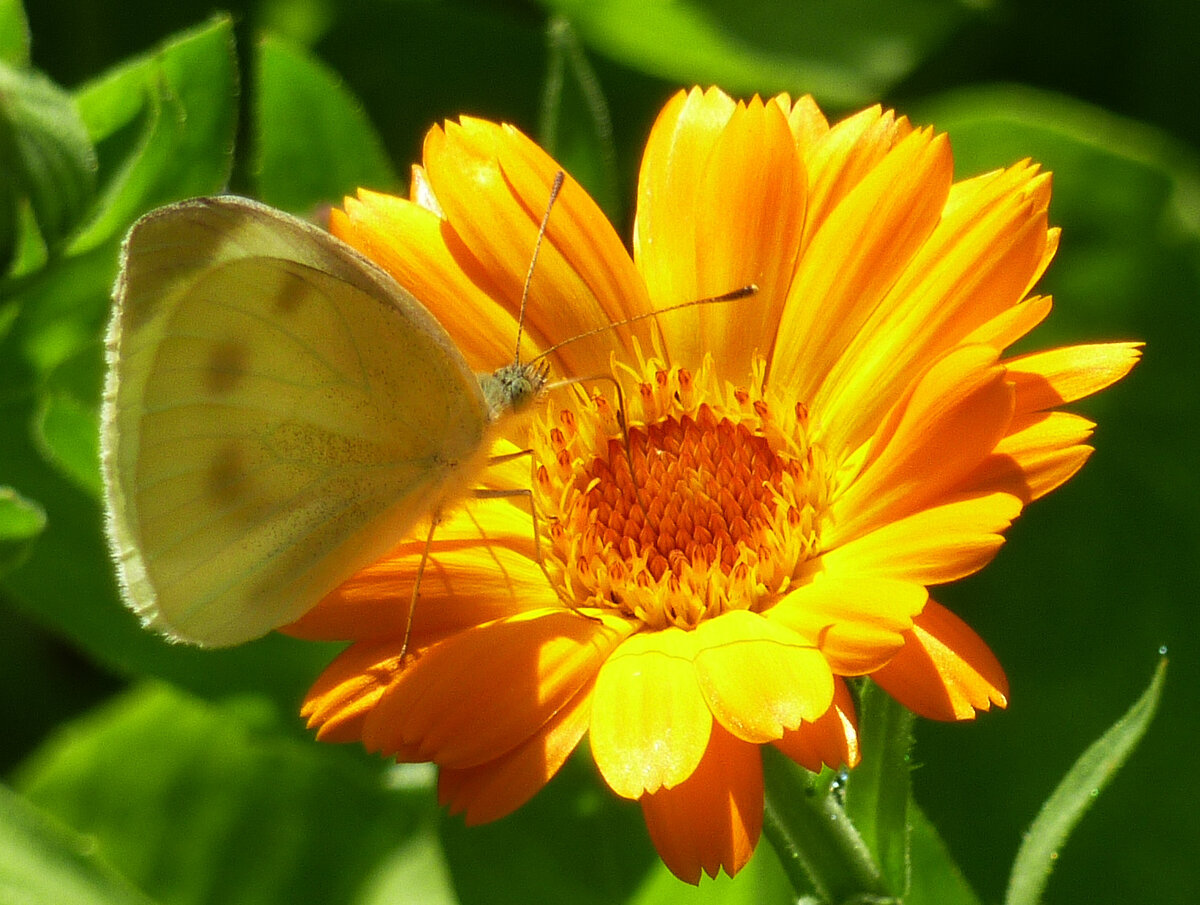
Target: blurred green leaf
879, 789
1075, 794
66, 428
313, 141
936, 879
60, 310
575, 126
66, 432
197, 803
44, 862
21, 521
163, 125
14, 34
45, 158
845, 53
573, 842
761, 882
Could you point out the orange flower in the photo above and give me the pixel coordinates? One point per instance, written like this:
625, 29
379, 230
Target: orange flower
807, 461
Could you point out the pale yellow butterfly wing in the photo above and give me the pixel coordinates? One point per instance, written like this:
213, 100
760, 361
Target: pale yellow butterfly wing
278, 413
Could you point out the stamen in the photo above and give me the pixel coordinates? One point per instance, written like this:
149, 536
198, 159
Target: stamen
706, 509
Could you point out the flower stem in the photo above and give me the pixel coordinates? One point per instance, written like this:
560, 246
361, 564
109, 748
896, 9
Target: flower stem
820, 849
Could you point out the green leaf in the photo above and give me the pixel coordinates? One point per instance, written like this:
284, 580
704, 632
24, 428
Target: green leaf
46, 158
67, 434
164, 127
14, 34
936, 878
21, 521
1076, 793
313, 141
848, 52
879, 789
575, 125
197, 803
44, 862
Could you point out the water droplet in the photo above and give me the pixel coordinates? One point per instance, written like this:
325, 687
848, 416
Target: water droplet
837, 786
1094, 792
1162, 650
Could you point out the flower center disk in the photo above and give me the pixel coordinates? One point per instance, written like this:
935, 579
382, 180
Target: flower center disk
691, 514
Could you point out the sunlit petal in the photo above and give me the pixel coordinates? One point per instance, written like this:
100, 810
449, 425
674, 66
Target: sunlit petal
650, 724
759, 679
829, 741
944, 671
711, 821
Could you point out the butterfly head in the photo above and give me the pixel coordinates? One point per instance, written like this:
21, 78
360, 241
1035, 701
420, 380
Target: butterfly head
514, 387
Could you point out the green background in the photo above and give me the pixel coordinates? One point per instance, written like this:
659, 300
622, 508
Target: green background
189, 774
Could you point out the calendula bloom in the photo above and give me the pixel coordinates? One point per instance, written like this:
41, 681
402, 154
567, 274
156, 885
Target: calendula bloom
806, 461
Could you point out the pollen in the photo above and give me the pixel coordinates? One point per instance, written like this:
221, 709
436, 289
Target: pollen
707, 502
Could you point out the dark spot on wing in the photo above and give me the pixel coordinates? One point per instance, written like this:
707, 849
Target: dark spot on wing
226, 366
227, 476
292, 292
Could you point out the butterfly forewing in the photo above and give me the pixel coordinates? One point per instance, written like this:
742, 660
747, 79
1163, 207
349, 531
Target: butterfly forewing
278, 414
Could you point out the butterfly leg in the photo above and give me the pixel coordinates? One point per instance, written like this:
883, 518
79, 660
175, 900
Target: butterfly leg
416, 591
483, 493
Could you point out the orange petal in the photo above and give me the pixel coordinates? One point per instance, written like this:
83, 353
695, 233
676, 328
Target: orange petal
579, 230
746, 212
483, 692
831, 740
712, 821
843, 156
482, 566
673, 165
945, 671
1041, 452
975, 265
806, 121
1053, 236
951, 419
934, 546
758, 678
858, 622
411, 243
348, 690
855, 257
497, 788
1011, 324
1047, 379
650, 723
494, 185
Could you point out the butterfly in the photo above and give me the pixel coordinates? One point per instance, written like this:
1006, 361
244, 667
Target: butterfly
278, 413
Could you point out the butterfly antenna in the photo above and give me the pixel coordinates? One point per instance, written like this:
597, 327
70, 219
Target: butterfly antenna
731, 296
537, 247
